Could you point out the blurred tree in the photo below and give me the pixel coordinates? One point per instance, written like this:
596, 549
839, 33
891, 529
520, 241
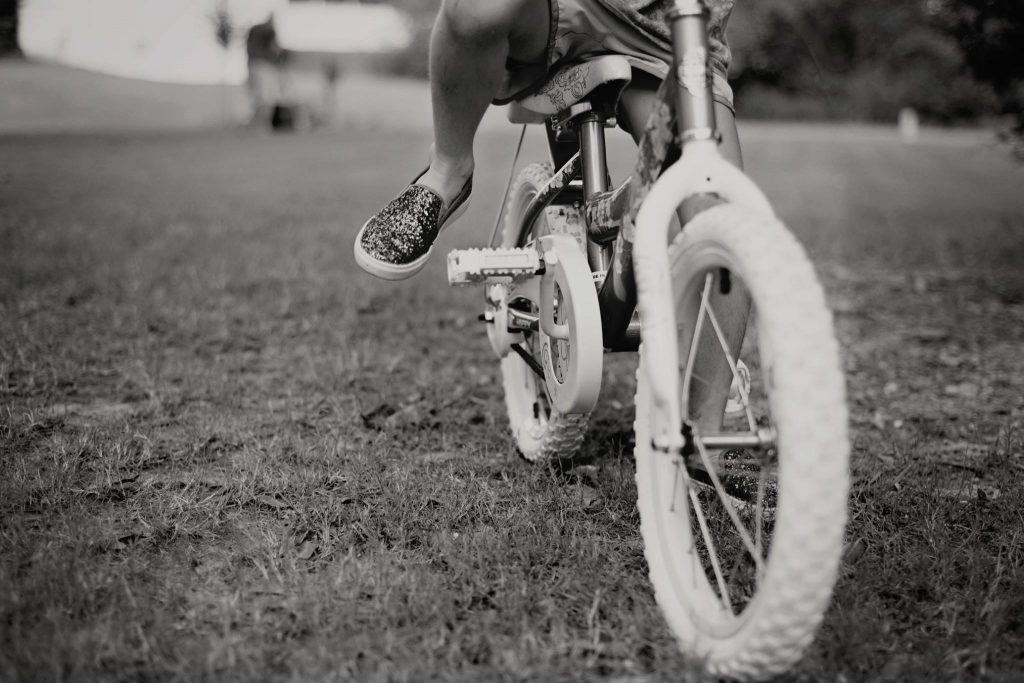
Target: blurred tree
859, 59
852, 59
9, 27
991, 35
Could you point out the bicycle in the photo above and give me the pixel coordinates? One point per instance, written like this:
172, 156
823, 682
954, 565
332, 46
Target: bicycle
741, 463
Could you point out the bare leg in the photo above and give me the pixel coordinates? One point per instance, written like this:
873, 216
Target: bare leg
640, 97
471, 41
708, 397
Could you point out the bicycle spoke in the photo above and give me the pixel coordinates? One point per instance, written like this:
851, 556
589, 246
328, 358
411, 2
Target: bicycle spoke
706, 310
723, 588
700, 378
751, 547
744, 396
691, 357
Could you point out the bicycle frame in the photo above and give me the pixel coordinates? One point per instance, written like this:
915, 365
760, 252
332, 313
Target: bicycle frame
683, 113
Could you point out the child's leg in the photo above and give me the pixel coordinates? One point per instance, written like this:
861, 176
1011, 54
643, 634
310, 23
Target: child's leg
473, 41
640, 97
709, 396
469, 47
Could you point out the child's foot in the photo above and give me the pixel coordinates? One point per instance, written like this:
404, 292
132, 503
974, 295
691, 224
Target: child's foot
740, 478
396, 243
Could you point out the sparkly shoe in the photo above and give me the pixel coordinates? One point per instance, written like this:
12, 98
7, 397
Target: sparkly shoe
396, 243
739, 477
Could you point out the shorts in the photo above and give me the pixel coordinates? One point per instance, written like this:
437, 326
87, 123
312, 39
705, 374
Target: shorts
634, 29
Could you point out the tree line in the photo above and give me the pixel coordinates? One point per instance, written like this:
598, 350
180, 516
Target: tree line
952, 60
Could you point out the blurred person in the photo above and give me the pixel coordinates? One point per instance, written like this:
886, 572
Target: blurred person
267, 80
496, 51
329, 92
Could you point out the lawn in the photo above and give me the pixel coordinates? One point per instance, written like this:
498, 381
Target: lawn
226, 454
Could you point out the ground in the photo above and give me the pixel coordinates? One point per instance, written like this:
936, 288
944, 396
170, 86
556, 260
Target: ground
225, 453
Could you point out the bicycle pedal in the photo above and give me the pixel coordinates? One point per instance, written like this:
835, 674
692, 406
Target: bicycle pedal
492, 266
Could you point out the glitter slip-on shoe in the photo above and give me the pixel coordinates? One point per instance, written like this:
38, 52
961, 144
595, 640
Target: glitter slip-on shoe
740, 477
396, 243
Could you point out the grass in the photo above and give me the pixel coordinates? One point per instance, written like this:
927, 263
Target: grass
225, 454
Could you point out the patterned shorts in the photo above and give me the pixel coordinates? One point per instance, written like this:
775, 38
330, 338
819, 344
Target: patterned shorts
633, 28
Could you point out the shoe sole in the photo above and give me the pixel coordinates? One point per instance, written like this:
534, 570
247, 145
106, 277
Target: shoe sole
400, 271
737, 503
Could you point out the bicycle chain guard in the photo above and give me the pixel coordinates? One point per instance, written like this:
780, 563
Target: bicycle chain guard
570, 326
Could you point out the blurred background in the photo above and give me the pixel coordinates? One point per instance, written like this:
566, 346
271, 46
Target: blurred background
952, 62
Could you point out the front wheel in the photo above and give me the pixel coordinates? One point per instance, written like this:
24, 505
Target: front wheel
743, 529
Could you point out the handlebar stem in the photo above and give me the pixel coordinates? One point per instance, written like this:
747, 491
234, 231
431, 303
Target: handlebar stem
695, 105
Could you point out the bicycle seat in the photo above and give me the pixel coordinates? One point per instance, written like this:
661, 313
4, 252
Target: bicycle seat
571, 84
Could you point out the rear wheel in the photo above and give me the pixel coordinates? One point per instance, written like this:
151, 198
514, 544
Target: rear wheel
541, 431
743, 530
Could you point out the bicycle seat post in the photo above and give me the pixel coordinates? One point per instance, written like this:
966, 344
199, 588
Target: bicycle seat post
695, 106
590, 128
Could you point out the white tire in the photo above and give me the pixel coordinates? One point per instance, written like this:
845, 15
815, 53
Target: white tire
775, 607
540, 430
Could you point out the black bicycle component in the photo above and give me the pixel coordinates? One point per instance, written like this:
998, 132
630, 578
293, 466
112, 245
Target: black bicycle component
558, 184
530, 361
